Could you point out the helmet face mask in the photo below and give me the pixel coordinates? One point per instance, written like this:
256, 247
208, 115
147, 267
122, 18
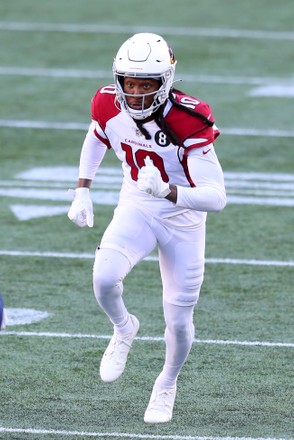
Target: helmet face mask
144, 56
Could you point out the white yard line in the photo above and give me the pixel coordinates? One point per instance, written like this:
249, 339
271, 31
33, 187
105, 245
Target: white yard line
94, 74
147, 339
265, 189
255, 34
257, 132
48, 125
144, 338
82, 256
125, 435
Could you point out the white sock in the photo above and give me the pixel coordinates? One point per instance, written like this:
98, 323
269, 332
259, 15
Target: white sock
126, 327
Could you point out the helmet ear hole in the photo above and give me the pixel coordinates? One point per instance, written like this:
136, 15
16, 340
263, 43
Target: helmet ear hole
144, 55
121, 80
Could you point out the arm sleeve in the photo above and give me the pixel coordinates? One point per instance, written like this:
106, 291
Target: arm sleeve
209, 194
93, 151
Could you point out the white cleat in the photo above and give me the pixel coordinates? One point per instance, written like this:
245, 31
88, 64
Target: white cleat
115, 356
161, 404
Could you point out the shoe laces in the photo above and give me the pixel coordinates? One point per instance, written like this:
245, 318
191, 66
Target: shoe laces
116, 347
162, 398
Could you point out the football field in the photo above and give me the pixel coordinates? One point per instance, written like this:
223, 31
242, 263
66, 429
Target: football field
238, 380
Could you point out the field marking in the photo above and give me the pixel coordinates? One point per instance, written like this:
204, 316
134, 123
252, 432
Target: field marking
126, 435
257, 132
258, 34
274, 189
148, 339
273, 90
94, 74
48, 125
28, 212
266, 189
87, 256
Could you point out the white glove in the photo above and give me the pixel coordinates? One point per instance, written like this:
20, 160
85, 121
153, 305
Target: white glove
81, 210
150, 181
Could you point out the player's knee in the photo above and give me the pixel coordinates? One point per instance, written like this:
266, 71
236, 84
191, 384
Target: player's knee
179, 321
181, 330
108, 273
103, 284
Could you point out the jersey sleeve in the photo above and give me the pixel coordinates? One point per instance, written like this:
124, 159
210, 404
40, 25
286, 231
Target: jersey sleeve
195, 128
92, 154
103, 109
208, 193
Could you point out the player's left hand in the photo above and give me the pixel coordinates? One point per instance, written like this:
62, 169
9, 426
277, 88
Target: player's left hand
150, 181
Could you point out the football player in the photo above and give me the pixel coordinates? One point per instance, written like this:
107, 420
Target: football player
164, 140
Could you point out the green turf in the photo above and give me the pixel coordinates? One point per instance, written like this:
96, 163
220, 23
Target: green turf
225, 390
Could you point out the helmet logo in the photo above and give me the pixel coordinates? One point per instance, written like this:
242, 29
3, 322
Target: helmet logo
172, 56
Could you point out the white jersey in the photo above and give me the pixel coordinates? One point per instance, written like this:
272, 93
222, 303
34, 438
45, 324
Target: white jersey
115, 129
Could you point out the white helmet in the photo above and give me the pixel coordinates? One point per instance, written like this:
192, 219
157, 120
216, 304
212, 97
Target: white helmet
144, 55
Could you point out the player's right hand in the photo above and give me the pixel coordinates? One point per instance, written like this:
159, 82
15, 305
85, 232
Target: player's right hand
81, 210
150, 181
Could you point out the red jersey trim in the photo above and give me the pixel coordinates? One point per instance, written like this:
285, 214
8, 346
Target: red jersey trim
186, 170
189, 127
102, 139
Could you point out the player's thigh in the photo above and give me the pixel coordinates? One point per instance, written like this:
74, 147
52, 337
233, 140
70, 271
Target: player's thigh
129, 233
182, 266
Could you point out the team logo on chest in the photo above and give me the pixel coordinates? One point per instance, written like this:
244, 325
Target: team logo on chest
138, 132
161, 139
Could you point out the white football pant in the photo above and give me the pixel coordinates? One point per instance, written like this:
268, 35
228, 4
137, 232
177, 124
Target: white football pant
130, 237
